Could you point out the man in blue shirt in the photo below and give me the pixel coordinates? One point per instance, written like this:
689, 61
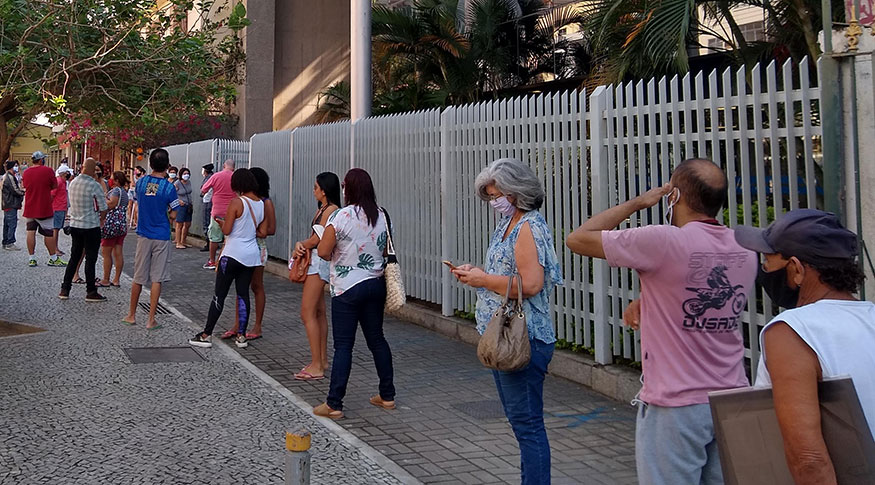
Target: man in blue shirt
157, 201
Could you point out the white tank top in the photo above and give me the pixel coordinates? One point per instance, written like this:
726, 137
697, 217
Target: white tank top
241, 244
842, 334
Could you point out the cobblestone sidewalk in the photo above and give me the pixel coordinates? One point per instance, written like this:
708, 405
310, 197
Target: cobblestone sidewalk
449, 427
75, 409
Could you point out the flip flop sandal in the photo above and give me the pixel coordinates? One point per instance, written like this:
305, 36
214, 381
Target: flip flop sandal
252, 336
101, 285
306, 376
156, 327
228, 334
79, 281
113, 285
130, 324
326, 412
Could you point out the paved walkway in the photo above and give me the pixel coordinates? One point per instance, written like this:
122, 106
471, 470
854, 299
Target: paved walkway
449, 427
75, 409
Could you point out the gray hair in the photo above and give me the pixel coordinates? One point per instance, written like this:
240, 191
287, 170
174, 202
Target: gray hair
229, 164
513, 178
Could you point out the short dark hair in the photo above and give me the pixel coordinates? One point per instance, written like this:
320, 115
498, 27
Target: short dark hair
843, 275
159, 160
242, 181
172, 169
263, 180
141, 169
120, 177
700, 186
183, 171
10, 164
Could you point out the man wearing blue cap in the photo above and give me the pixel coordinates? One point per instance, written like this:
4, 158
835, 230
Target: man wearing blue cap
811, 269
38, 182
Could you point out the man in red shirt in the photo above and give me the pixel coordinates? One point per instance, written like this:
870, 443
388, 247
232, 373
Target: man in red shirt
39, 181
59, 202
222, 195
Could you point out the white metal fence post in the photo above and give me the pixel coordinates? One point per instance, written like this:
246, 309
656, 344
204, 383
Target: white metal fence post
291, 244
600, 191
446, 200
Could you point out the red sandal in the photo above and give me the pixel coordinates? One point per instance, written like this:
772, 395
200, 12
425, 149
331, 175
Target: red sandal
228, 334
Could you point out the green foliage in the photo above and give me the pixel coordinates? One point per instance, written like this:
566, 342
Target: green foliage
121, 63
755, 214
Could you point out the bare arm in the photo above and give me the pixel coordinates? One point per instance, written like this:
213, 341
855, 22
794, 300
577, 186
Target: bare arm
530, 270
270, 217
586, 240
235, 210
112, 203
327, 243
795, 371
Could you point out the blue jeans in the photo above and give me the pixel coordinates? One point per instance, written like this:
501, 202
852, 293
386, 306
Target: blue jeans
522, 395
361, 304
10, 223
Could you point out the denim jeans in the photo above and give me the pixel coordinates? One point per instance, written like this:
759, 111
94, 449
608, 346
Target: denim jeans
10, 223
522, 395
85, 241
361, 304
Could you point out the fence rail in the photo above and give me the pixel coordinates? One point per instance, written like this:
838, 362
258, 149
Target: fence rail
590, 150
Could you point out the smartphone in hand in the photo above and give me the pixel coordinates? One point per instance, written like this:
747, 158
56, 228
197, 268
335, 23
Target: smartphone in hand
450, 265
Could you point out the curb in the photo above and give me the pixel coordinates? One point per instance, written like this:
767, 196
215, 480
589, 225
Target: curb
614, 381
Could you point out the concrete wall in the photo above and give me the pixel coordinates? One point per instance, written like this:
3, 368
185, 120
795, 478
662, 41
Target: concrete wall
311, 53
255, 96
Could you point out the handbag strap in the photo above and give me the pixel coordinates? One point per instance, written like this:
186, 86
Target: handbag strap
250, 212
390, 247
519, 286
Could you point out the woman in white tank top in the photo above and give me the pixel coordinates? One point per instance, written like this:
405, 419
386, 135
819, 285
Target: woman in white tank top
243, 222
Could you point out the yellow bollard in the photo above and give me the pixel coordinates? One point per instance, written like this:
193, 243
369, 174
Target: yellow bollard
297, 462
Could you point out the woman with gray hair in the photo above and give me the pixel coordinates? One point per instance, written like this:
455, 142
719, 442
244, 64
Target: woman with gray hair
521, 247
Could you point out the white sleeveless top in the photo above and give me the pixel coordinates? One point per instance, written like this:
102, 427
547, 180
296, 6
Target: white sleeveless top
842, 334
241, 244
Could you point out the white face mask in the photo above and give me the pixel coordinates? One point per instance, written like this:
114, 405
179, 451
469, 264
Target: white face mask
186, 177
172, 175
15, 169
669, 209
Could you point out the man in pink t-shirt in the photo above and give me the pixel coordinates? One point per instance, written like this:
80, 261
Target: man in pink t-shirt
694, 284
222, 196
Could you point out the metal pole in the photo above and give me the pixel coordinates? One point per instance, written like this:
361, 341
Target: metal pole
360, 67
297, 462
831, 120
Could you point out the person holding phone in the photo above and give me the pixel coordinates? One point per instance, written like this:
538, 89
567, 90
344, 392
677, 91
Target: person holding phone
521, 247
326, 191
183, 213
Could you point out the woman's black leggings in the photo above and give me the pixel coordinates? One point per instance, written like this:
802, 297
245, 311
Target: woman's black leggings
229, 270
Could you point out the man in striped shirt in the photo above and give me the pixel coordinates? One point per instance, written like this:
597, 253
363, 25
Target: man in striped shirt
87, 212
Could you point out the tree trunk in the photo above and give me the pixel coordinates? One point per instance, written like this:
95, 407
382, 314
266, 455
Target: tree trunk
808, 29
5, 140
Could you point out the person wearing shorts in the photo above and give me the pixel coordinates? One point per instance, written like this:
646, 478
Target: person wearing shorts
59, 201
113, 247
39, 181
220, 183
157, 201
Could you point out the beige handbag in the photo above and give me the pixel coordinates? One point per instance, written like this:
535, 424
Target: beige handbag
505, 344
396, 296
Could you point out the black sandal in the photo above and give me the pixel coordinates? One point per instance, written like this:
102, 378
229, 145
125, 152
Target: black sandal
79, 281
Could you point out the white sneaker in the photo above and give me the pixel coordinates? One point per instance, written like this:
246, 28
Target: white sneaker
11, 247
241, 342
201, 340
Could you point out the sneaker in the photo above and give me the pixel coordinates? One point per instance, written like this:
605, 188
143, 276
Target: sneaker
57, 262
210, 265
241, 342
95, 297
201, 340
11, 247
32, 263
64, 294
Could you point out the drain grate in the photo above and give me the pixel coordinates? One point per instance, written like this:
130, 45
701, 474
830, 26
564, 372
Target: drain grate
154, 355
8, 329
159, 310
483, 410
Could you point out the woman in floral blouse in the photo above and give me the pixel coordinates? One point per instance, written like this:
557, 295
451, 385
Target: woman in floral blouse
355, 243
521, 247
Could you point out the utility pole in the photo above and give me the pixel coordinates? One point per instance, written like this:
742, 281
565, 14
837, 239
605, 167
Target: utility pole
360, 67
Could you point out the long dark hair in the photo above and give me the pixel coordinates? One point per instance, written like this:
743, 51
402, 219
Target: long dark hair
263, 182
359, 190
330, 184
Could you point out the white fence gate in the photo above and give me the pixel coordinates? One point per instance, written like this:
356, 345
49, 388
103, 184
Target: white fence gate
591, 151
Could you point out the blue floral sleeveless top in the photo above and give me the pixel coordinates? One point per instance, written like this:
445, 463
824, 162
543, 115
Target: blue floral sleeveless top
500, 260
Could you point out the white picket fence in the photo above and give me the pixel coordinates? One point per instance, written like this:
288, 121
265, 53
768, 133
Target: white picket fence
591, 151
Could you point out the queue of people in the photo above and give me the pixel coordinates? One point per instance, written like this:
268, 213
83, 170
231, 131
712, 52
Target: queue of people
808, 266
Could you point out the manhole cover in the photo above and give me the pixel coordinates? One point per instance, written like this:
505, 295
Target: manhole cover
159, 310
153, 355
8, 329
481, 409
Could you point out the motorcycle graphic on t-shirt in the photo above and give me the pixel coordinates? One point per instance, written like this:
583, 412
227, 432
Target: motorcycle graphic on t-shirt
717, 294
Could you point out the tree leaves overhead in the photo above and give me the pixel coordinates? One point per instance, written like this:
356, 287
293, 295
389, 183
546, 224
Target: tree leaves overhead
123, 62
